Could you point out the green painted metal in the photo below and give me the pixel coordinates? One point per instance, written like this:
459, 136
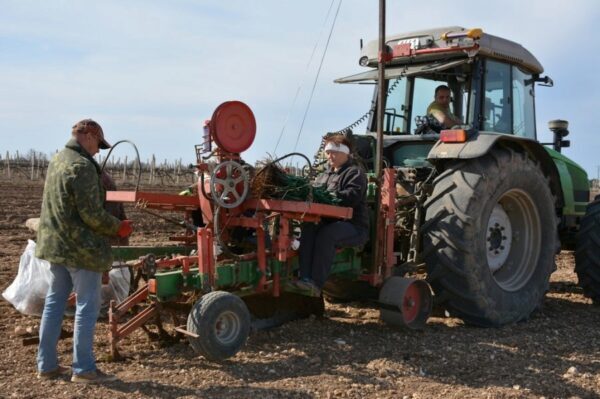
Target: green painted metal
574, 183
134, 252
170, 284
241, 277
347, 262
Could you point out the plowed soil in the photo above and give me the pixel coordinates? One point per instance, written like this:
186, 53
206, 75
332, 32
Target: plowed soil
348, 354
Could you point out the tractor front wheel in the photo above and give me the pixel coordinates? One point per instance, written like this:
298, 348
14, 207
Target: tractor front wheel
490, 236
222, 322
587, 252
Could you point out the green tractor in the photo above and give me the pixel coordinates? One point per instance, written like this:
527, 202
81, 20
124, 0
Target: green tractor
483, 205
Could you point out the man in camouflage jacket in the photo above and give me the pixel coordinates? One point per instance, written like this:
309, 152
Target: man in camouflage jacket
73, 236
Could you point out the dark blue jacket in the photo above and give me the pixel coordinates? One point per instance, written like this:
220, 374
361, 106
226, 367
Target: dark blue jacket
349, 184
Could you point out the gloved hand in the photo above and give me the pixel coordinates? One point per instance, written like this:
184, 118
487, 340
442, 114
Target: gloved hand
125, 229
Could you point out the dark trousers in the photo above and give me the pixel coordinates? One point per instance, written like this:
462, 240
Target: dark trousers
318, 243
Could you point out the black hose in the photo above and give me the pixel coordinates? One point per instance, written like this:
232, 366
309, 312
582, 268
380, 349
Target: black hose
137, 154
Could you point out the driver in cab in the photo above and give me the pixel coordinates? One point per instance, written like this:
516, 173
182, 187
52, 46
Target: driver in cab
440, 108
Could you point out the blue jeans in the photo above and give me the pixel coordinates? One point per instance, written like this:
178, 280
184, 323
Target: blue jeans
86, 284
318, 243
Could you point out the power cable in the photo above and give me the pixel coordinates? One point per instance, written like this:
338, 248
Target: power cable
317, 76
303, 78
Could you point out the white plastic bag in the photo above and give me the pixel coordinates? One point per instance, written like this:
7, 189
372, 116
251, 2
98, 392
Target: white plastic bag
119, 281
27, 292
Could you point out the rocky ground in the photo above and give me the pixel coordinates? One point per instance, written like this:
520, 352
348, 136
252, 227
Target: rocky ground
348, 354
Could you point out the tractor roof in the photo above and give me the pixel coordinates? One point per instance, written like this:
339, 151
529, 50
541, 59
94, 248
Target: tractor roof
447, 43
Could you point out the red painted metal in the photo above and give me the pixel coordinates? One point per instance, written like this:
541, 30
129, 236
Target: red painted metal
385, 56
155, 200
446, 49
135, 298
138, 320
233, 126
116, 312
206, 261
185, 265
388, 200
261, 254
72, 299
242, 221
411, 303
282, 243
404, 50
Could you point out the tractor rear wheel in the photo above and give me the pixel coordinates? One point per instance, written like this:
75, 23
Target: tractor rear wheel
489, 238
222, 322
587, 252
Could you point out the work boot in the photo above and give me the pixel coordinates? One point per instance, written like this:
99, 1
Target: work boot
57, 372
309, 286
93, 377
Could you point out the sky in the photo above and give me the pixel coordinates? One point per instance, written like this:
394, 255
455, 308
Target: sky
152, 71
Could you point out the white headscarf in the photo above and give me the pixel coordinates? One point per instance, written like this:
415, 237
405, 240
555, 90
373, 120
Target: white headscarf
331, 146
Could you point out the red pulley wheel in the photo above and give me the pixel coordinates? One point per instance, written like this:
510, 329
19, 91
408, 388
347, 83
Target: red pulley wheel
233, 126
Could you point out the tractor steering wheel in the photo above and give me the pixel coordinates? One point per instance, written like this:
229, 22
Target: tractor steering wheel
427, 124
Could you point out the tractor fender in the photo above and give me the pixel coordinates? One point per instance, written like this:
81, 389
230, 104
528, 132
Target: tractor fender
481, 143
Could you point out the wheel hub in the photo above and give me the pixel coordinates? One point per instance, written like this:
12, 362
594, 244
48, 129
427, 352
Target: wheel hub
513, 240
227, 327
498, 238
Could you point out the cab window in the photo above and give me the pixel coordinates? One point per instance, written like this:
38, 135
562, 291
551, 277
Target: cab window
509, 100
396, 111
523, 104
497, 96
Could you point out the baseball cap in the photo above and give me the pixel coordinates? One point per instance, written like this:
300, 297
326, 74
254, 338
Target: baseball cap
91, 126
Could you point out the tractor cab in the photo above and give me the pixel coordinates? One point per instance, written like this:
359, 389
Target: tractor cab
491, 82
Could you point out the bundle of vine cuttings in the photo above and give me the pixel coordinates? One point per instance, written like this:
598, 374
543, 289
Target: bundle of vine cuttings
272, 182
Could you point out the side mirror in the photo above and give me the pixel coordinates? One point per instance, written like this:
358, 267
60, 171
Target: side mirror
560, 130
545, 81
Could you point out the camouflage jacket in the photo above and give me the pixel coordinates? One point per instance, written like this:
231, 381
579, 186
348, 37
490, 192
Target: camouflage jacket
74, 227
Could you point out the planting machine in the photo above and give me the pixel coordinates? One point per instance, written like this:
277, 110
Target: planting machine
248, 284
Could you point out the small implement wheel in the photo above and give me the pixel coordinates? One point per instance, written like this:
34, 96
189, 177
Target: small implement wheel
222, 322
229, 184
406, 302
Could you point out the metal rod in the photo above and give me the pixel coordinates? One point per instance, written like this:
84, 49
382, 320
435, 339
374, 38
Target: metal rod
184, 331
381, 94
381, 91
180, 223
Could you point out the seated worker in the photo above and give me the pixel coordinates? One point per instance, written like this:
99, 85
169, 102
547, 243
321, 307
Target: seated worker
440, 108
345, 179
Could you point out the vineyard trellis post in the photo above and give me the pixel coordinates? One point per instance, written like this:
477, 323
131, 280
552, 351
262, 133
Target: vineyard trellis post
32, 165
8, 165
124, 170
152, 169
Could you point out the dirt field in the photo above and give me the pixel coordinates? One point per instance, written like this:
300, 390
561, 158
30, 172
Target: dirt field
349, 354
